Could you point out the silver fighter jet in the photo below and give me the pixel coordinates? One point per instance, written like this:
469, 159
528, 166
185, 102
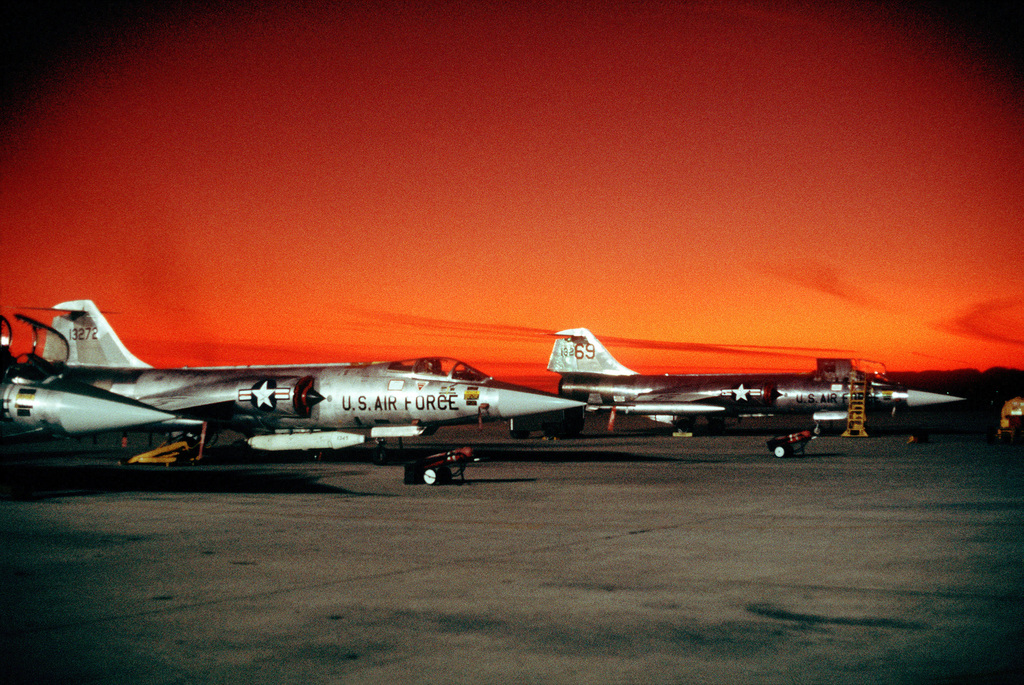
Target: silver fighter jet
590, 373
294, 407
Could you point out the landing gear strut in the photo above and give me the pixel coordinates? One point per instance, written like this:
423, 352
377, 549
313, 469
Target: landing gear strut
380, 452
380, 455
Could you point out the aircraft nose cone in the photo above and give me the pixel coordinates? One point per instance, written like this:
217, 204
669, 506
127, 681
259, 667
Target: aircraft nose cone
920, 398
78, 414
98, 415
521, 402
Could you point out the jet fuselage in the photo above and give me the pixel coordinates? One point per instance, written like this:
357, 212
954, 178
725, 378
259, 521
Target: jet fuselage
589, 373
737, 395
256, 399
86, 368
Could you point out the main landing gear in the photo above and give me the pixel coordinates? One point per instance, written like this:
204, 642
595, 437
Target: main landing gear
380, 453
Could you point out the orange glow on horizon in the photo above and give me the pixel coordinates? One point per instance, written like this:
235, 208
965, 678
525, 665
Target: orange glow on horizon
288, 184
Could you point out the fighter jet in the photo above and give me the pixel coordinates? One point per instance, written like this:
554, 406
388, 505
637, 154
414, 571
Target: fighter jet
293, 407
591, 374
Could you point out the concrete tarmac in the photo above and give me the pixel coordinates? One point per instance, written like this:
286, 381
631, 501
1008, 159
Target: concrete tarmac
633, 557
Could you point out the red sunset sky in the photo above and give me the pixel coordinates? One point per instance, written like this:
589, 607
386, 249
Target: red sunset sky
287, 183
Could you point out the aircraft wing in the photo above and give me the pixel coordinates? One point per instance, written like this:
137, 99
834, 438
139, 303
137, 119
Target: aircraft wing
204, 411
213, 400
195, 405
226, 397
193, 397
687, 397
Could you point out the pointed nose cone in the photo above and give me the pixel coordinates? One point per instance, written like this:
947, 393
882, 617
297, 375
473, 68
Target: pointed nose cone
97, 412
92, 415
521, 401
79, 414
920, 398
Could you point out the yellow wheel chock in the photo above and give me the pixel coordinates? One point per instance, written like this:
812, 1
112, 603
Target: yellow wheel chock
169, 453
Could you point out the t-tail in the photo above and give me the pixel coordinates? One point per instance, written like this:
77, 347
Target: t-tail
581, 352
91, 340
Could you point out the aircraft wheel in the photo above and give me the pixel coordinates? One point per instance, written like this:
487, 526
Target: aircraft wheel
437, 476
781, 451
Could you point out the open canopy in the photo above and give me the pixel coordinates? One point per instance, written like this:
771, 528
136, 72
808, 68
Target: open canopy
441, 367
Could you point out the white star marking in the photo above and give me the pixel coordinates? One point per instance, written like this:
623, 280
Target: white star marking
262, 395
741, 393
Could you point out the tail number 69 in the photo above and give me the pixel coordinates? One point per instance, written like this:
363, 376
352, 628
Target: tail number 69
583, 351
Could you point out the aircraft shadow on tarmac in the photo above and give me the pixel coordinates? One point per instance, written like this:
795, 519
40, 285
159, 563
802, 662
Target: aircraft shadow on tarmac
778, 613
527, 452
44, 481
576, 450
502, 453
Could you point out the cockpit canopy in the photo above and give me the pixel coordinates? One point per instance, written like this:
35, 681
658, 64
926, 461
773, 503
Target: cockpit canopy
31, 365
441, 367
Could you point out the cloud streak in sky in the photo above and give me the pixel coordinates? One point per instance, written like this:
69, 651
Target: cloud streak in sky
987, 321
492, 331
824, 278
366, 319
714, 348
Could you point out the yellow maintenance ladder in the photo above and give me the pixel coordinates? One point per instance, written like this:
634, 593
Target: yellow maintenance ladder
856, 416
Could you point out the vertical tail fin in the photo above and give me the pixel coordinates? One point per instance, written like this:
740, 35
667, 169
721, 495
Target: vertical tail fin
91, 340
581, 352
